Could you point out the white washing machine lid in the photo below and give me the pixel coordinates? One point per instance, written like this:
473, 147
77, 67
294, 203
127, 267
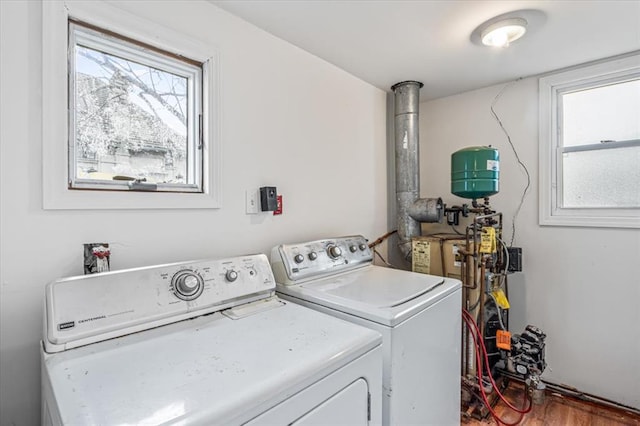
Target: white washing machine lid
210, 370
384, 295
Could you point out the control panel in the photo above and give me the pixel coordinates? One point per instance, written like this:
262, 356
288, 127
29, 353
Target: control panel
90, 308
296, 263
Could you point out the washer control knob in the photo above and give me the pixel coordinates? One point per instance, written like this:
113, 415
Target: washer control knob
298, 258
187, 284
353, 248
334, 252
231, 275
362, 246
313, 255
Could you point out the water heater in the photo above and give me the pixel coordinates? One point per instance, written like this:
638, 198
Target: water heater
475, 172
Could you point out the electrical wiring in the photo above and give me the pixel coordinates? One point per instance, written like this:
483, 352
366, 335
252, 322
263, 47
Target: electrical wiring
506, 253
475, 304
383, 259
456, 231
480, 346
515, 152
503, 277
379, 241
498, 311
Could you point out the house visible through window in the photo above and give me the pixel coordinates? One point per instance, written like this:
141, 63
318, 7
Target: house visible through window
134, 117
590, 145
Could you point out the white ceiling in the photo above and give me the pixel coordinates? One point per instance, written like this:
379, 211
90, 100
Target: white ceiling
385, 42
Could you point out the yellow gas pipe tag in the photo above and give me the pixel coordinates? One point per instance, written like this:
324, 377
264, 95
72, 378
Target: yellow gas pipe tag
488, 240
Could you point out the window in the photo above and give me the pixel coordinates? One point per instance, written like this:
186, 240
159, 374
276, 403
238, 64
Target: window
134, 115
590, 145
130, 107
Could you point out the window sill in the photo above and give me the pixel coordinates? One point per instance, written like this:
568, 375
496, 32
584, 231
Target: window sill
66, 199
569, 217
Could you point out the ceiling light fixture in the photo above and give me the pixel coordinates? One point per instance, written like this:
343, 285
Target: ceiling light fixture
504, 29
503, 33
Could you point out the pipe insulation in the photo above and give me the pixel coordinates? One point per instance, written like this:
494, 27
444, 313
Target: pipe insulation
411, 210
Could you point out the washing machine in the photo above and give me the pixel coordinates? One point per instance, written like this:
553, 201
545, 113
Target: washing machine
418, 316
201, 343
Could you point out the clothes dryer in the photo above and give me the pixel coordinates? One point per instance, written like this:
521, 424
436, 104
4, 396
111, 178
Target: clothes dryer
201, 343
418, 316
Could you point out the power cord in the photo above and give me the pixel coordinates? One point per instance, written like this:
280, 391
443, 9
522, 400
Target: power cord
379, 241
515, 152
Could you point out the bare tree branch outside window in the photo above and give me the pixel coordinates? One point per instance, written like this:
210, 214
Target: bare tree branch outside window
131, 119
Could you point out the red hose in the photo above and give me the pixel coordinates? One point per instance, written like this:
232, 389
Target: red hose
486, 358
484, 395
475, 333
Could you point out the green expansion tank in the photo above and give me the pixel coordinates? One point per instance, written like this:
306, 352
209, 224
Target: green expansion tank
475, 172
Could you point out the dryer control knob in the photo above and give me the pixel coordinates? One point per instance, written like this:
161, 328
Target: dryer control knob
298, 258
362, 246
187, 284
334, 252
231, 276
353, 248
313, 255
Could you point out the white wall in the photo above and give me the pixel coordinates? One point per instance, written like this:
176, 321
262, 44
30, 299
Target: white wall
580, 285
288, 119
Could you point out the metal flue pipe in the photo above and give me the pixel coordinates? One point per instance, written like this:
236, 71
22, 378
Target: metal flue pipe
410, 209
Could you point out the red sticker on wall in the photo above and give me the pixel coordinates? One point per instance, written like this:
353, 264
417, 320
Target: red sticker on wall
278, 209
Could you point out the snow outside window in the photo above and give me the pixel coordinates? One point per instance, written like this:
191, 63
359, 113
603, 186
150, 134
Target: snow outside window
590, 145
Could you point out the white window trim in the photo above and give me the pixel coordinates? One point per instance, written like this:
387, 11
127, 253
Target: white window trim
56, 192
550, 211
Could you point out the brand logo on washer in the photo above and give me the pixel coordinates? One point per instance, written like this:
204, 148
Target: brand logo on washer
66, 325
91, 319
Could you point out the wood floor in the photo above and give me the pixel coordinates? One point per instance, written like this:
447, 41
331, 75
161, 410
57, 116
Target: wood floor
558, 410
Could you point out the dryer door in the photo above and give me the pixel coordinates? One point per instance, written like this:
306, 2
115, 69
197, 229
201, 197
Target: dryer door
350, 405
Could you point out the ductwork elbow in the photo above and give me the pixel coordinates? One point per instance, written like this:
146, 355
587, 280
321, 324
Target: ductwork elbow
426, 210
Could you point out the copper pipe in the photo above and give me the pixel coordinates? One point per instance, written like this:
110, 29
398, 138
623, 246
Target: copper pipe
444, 273
471, 258
467, 252
381, 239
467, 271
483, 267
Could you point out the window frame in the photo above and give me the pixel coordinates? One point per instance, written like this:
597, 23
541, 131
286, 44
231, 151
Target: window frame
100, 40
551, 88
57, 193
